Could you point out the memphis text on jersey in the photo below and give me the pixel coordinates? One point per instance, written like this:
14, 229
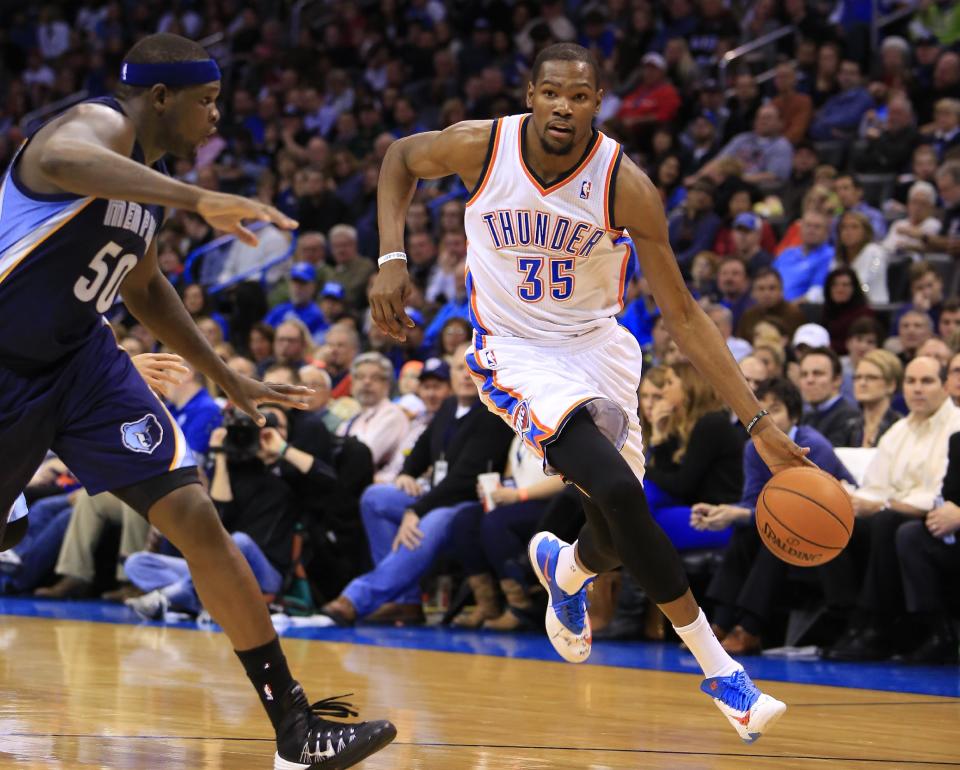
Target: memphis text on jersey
131, 216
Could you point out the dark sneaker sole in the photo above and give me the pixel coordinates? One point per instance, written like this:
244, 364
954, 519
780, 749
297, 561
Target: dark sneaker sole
355, 753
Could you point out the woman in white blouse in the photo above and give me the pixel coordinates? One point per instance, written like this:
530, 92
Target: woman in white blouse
904, 236
855, 248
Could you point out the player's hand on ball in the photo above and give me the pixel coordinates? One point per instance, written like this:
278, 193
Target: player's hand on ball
160, 370
388, 298
776, 449
228, 212
246, 394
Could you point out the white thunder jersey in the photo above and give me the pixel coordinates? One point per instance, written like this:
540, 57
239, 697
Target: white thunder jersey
541, 260
545, 279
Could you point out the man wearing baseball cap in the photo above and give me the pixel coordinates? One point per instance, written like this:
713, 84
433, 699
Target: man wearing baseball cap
303, 287
747, 233
655, 100
432, 391
333, 305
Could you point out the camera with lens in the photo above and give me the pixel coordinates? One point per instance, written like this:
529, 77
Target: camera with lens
242, 442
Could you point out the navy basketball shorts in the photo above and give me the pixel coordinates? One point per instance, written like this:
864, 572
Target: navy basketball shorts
98, 415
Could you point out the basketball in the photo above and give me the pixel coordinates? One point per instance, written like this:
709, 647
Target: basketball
804, 516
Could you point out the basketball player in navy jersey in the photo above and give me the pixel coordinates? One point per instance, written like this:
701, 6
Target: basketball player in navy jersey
551, 198
80, 209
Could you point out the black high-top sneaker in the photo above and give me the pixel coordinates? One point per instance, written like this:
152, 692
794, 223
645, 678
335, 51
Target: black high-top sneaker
306, 739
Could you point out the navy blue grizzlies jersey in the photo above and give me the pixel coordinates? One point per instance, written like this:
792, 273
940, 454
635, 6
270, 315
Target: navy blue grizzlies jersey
62, 260
65, 384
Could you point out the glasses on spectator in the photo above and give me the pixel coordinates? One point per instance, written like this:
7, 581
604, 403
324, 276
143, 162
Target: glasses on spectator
288, 339
866, 377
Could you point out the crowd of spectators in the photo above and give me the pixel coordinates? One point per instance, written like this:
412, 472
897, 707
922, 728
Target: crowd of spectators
813, 200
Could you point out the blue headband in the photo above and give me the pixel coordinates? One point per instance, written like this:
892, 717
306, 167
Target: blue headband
181, 73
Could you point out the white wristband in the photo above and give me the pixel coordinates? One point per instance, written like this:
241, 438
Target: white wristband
391, 256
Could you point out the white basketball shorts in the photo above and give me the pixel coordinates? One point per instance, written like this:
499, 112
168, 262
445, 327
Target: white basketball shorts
536, 386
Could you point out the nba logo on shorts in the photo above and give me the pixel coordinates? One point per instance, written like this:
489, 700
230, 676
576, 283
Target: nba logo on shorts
488, 358
585, 189
143, 436
521, 418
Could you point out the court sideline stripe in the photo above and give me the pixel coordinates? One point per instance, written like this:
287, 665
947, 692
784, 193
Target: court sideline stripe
576, 749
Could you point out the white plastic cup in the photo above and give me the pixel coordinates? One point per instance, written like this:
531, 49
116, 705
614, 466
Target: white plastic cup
488, 482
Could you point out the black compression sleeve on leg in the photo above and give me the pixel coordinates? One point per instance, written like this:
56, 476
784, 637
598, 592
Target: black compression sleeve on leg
587, 458
597, 550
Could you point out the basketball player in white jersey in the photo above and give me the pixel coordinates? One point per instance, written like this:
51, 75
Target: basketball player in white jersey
546, 265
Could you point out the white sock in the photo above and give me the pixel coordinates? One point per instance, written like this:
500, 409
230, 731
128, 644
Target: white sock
570, 575
703, 643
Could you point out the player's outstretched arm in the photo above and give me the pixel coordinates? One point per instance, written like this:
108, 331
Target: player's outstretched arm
639, 209
88, 154
154, 302
459, 149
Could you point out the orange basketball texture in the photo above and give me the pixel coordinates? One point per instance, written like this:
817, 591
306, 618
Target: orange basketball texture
804, 516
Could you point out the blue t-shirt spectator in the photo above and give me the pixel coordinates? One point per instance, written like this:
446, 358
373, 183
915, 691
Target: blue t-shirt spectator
310, 314
197, 418
804, 271
301, 306
455, 308
638, 319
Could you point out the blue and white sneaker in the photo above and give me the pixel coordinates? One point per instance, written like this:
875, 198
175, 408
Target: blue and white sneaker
568, 625
750, 711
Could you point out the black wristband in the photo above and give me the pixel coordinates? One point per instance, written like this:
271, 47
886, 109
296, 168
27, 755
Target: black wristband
215, 450
752, 424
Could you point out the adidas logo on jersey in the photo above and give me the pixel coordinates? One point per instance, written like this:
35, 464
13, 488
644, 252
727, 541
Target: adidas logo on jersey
131, 216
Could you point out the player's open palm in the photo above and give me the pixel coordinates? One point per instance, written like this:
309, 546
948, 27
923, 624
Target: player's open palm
388, 298
246, 394
227, 213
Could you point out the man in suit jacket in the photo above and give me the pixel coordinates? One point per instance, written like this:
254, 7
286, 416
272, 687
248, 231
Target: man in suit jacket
407, 527
821, 375
929, 558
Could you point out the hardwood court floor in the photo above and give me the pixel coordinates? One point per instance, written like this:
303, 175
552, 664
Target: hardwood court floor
94, 695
